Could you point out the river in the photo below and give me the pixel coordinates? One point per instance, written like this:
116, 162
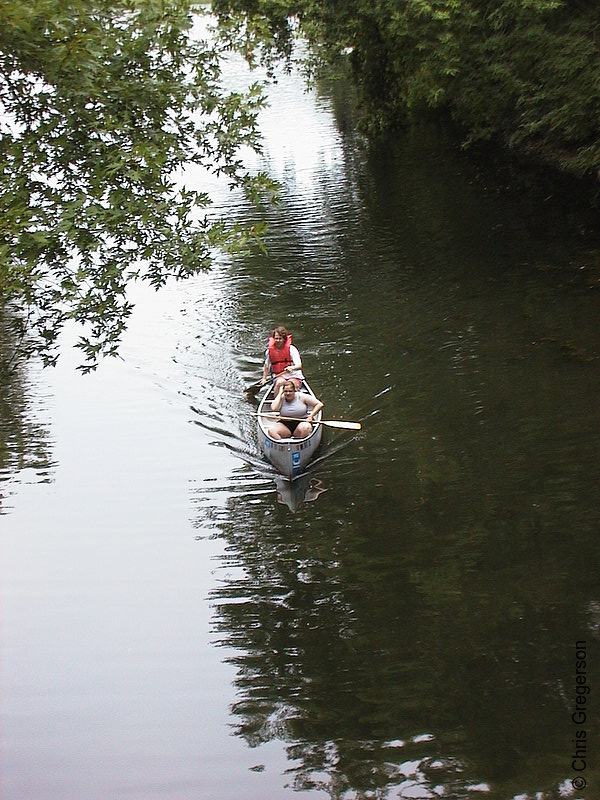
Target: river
405, 622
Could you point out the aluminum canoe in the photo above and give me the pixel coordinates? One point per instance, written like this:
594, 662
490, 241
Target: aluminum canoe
290, 456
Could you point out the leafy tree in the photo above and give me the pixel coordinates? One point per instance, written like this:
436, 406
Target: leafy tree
102, 103
524, 74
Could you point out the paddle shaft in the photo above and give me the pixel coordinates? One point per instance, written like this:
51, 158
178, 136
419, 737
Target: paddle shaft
331, 423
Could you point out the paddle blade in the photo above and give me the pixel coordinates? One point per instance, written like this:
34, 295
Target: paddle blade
348, 426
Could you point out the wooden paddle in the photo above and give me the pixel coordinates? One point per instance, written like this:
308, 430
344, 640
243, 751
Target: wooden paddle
330, 423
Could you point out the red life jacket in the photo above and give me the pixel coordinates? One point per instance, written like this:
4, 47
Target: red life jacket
280, 359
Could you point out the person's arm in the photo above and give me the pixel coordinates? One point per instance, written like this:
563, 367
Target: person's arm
296, 360
276, 404
266, 367
316, 406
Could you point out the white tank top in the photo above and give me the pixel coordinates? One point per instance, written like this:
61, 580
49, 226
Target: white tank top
297, 408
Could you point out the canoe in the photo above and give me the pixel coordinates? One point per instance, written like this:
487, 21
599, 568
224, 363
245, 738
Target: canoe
290, 456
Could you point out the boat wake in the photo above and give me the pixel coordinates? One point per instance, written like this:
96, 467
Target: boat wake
209, 368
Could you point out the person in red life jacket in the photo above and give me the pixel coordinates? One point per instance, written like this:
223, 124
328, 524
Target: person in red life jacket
291, 403
282, 359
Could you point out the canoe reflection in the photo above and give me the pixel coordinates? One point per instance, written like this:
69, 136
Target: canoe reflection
303, 489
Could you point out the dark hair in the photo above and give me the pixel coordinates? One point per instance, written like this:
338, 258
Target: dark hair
281, 330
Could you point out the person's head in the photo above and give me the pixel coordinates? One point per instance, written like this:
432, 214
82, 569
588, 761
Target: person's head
289, 390
280, 334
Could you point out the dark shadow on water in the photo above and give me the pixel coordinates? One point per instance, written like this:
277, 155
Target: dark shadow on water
391, 660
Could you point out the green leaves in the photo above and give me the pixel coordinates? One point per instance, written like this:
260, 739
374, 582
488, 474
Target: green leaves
104, 102
523, 72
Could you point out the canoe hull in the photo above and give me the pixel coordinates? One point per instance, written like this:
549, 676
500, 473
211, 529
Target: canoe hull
290, 456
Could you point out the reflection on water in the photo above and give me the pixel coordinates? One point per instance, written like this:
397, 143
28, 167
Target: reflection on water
25, 446
352, 641
257, 486
304, 489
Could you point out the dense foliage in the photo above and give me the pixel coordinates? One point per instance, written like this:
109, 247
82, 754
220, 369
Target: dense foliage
525, 73
102, 103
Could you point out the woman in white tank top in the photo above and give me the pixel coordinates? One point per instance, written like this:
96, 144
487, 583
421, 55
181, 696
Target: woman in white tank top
291, 403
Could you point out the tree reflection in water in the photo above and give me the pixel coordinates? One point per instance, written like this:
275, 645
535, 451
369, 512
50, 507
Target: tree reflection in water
391, 662
24, 443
